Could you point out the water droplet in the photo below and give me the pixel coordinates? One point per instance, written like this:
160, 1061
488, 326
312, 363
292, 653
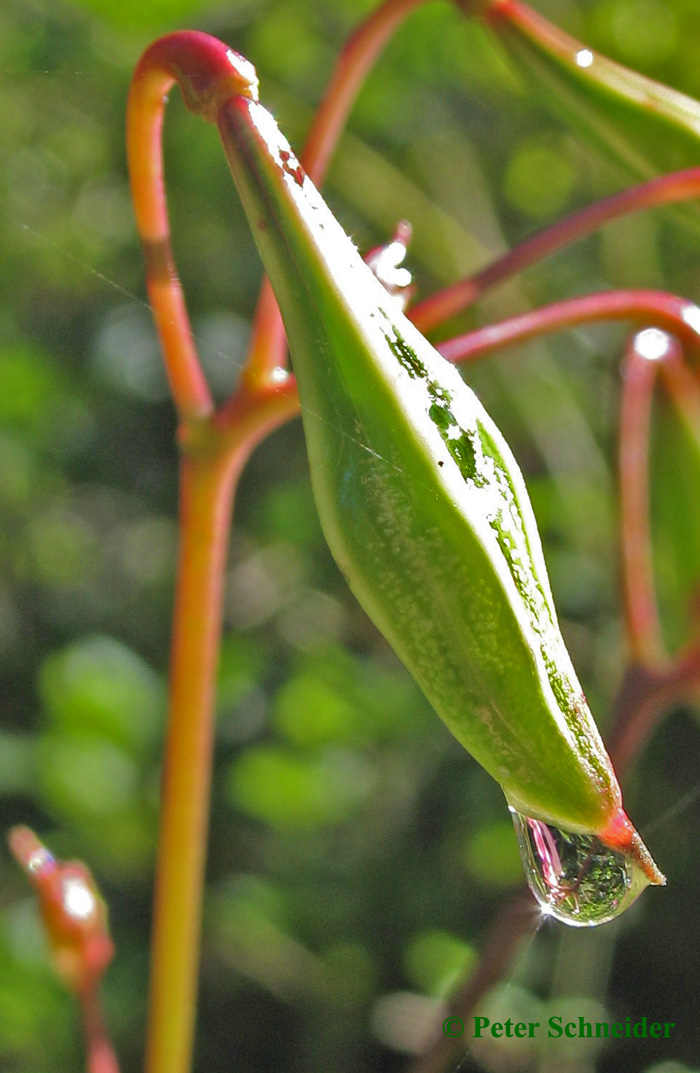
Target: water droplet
575, 878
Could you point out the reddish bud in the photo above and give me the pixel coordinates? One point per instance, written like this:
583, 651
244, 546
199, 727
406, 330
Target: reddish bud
73, 913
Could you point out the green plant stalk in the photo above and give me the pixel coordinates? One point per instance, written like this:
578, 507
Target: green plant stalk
206, 500
210, 468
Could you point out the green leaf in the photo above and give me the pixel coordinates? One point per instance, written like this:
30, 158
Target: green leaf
643, 126
436, 961
492, 856
97, 686
291, 791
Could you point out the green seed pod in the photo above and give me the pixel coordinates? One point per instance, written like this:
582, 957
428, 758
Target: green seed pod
426, 513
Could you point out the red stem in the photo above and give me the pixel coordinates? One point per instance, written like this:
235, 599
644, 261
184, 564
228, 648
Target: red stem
209, 474
683, 387
100, 1053
145, 111
207, 71
359, 55
206, 497
641, 612
214, 449
679, 186
646, 307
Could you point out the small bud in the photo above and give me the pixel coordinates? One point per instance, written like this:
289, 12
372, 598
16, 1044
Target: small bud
73, 913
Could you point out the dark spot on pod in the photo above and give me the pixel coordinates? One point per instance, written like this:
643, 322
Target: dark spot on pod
297, 173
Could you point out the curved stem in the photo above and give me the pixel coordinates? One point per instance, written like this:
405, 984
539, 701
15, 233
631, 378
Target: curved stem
679, 186
683, 388
357, 58
215, 448
145, 110
207, 72
656, 308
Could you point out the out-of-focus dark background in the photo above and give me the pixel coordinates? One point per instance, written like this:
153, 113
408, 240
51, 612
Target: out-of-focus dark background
357, 853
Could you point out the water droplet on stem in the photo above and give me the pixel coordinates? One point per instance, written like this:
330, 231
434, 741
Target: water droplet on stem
574, 877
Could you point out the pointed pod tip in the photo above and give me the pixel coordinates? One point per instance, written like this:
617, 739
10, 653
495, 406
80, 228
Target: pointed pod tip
621, 834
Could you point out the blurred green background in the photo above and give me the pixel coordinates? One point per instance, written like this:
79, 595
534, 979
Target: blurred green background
357, 853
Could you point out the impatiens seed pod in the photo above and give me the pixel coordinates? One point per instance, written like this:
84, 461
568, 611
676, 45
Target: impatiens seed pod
426, 513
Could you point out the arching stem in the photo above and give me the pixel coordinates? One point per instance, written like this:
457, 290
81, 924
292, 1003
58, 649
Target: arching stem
679, 186
215, 447
653, 308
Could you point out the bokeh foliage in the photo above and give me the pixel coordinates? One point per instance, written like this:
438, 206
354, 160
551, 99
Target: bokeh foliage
357, 854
